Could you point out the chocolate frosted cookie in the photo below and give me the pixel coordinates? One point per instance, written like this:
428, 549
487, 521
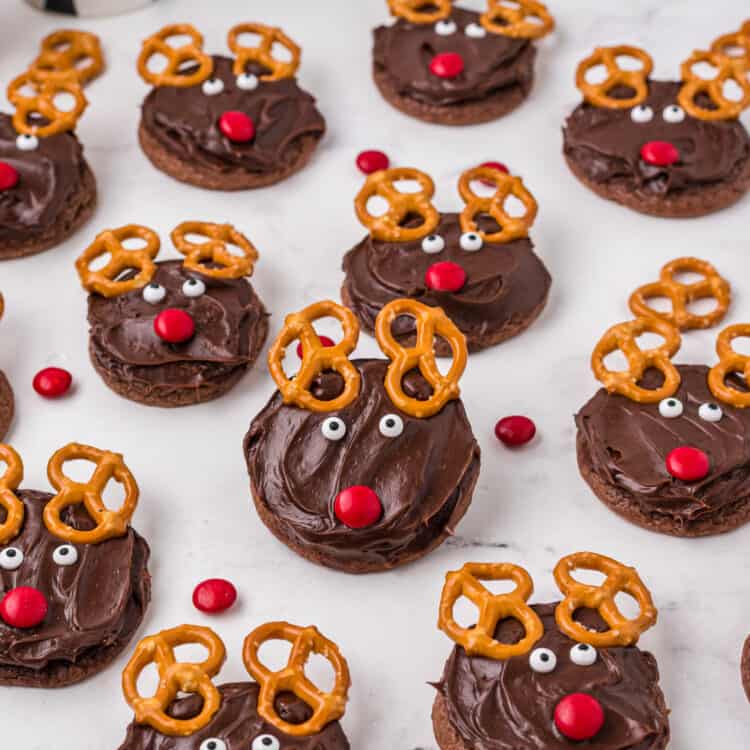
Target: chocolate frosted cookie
74, 574
552, 676
451, 66
7, 400
478, 266
173, 333
745, 667
667, 148
227, 123
363, 465
242, 715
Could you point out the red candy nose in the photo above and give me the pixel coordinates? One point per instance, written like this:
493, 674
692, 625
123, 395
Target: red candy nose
445, 277
237, 126
659, 153
358, 507
447, 65
174, 326
687, 463
24, 607
579, 716
8, 176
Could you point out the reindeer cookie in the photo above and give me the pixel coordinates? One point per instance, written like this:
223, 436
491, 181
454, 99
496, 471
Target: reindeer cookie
7, 401
451, 66
553, 676
281, 710
479, 266
47, 189
362, 465
227, 123
173, 332
75, 583
667, 148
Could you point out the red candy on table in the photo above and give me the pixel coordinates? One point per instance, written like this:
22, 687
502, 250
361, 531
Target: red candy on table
8, 176
52, 382
447, 65
579, 716
445, 277
515, 430
23, 607
659, 153
372, 161
323, 340
174, 325
358, 507
237, 126
214, 595
688, 464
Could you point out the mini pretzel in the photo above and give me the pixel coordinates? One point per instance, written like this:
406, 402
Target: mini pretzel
104, 281
416, 11
388, 227
619, 578
316, 358
430, 322
729, 69
598, 93
327, 707
42, 103
177, 57
511, 21
726, 45
624, 337
64, 50
711, 286
215, 250
263, 53
9, 482
730, 361
480, 640
175, 678
109, 523
511, 227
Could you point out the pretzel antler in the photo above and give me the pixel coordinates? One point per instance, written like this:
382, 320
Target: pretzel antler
736, 45
520, 19
598, 94
69, 50
263, 53
421, 11
9, 482
327, 707
178, 58
730, 362
215, 251
728, 69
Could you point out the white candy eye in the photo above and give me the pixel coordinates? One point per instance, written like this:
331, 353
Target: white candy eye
65, 554
333, 428
583, 655
710, 412
27, 143
214, 743
154, 293
446, 27
471, 241
475, 31
247, 81
11, 558
670, 408
193, 288
673, 114
433, 243
212, 86
642, 113
542, 660
391, 425
266, 742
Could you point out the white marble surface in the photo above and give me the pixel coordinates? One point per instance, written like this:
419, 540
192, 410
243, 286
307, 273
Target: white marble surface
530, 507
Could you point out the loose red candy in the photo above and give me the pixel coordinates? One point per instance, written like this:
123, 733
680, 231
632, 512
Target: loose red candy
493, 165
688, 464
358, 507
8, 176
372, 161
323, 340
515, 430
52, 382
447, 65
23, 607
445, 277
579, 716
174, 325
214, 595
237, 126
659, 153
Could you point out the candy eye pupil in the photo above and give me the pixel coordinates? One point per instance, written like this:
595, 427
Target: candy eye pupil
10, 553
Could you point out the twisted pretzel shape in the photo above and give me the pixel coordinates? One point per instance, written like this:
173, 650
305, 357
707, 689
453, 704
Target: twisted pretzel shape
480, 640
327, 707
175, 677
263, 53
177, 57
619, 578
506, 20
9, 482
430, 322
730, 361
727, 44
414, 11
215, 250
728, 69
598, 93
64, 50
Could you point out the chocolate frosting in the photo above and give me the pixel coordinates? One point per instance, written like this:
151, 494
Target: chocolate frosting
504, 282
606, 145
186, 121
48, 176
296, 472
505, 705
237, 723
404, 50
628, 443
92, 603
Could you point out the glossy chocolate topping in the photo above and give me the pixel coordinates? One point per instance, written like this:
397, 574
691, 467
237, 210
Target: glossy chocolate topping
505, 705
238, 725
606, 145
186, 121
627, 444
492, 63
92, 603
296, 472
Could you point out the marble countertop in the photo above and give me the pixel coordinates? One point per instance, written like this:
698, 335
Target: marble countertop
530, 507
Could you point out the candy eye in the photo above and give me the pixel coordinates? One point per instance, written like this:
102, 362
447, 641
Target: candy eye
670, 408
193, 288
471, 242
433, 243
542, 660
27, 142
214, 743
11, 558
583, 655
65, 554
642, 113
710, 412
475, 31
265, 742
673, 114
391, 425
445, 27
247, 81
154, 293
212, 86
333, 428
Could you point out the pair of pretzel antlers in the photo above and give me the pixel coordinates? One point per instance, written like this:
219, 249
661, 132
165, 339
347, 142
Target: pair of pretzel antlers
189, 677
480, 640
316, 358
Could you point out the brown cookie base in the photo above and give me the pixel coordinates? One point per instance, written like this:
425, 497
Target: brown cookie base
7, 405
447, 737
63, 673
215, 179
78, 211
745, 667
